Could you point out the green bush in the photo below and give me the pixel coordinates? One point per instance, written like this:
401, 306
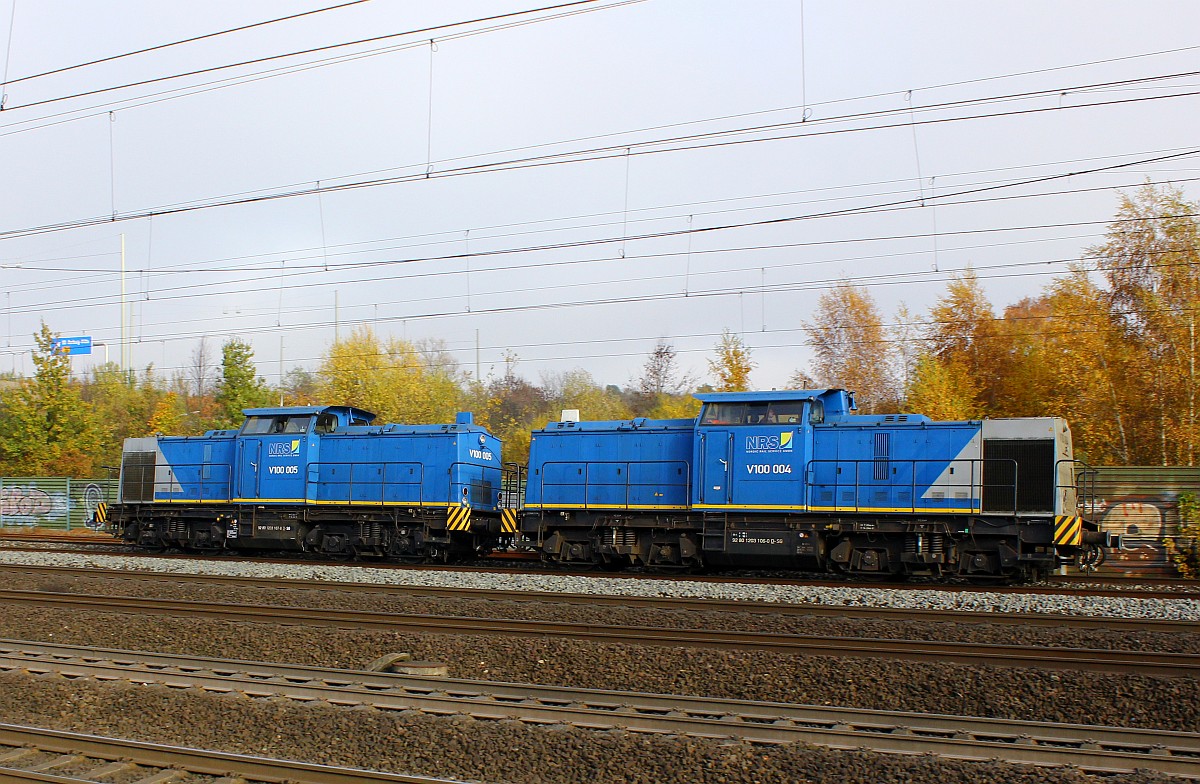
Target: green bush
1184, 549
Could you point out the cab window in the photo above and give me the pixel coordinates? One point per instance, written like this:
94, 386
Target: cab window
767, 412
258, 425
294, 424
267, 425
724, 414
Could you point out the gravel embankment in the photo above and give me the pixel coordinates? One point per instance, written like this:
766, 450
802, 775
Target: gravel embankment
495, 752
461, 748
1185, 608
547, 609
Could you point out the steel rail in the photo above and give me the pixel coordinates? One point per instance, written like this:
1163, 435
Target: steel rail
1041, 657
1095, 748
1072, 585
774, 609
118, 756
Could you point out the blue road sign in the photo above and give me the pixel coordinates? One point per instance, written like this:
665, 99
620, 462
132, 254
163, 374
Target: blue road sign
79, 345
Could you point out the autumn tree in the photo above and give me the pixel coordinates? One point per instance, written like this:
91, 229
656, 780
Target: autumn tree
576, 389
732, 364
300, 387
1150, 262
1094, 382
963, 331
663, 389
942, 389
240, 386
510, 406
1026, 369
167, 416
123, 403
850, 343
391, 378
48, 428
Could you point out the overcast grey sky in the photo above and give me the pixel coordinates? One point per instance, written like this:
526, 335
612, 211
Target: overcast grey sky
688, 196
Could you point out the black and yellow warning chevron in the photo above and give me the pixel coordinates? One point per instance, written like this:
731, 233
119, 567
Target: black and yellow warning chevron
1068, 530
101, 513
458, 518
508, 521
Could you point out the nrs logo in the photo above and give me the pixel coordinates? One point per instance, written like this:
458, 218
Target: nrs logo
779, 443
284, 448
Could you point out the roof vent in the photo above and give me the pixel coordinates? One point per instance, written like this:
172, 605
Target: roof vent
569, 415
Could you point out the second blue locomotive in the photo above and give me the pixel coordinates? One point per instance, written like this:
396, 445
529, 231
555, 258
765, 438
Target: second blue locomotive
795, 480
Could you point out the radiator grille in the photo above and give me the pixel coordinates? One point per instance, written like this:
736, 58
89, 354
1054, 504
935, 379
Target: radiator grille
1027, 463
137, 477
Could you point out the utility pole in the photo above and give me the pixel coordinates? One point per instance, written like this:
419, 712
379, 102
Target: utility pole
124, 314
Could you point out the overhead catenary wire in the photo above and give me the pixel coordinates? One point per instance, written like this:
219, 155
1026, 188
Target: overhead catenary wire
909, 203
180, 42
197, 266
512, 165
885, 279
301, 52
196, 291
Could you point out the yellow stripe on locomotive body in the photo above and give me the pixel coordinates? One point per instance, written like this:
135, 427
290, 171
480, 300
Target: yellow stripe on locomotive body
1068, 531
101, 513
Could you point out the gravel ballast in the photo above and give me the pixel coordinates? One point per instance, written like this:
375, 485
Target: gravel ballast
462, 748
1185, 608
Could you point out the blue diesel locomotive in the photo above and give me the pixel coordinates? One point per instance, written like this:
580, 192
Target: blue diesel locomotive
317, 479
795, 480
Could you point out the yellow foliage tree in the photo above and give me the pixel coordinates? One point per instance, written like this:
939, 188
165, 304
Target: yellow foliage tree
1150, 261
850, 342
732, 365
943, 390
167, 417
391, 379
963, 331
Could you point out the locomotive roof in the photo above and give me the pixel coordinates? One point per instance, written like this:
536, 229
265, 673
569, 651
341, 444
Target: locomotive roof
357, 413
777, 394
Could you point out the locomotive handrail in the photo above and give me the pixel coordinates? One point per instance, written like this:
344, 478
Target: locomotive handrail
174, 482
1085, 479
316, 483
685, 483
513, 480
975, 483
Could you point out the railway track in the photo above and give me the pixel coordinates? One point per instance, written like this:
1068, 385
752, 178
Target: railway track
1073, 585
37, 754
1091, 748
775, 609
1120, 662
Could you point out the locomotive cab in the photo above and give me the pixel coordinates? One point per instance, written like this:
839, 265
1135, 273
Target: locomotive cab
275, 446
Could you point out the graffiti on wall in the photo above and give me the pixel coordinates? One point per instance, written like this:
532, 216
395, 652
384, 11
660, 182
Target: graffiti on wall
31, 505
1144, 522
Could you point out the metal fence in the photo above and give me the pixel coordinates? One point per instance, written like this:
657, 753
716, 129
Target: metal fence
52, 502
